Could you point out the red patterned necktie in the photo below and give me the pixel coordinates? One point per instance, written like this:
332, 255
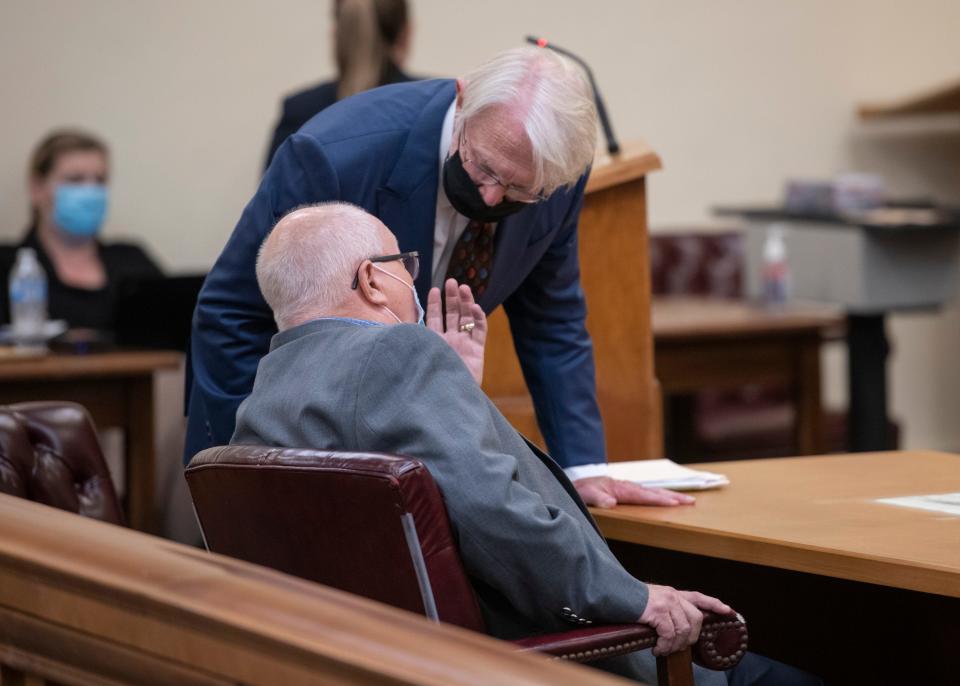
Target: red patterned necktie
472, 257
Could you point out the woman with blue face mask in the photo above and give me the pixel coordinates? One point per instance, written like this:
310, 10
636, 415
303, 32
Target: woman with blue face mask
69, 199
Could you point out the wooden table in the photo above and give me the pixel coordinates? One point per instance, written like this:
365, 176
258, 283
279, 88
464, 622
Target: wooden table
117, 390
710, 343
801, 548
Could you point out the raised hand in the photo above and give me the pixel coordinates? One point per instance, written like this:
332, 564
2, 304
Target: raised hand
463, 326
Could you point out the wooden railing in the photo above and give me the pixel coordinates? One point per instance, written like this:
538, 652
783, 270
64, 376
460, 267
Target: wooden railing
83, 602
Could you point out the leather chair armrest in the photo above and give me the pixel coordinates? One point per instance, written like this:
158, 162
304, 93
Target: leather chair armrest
594, 643
723, 641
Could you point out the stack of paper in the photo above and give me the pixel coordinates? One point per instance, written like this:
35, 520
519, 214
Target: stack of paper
666, 474
947, 503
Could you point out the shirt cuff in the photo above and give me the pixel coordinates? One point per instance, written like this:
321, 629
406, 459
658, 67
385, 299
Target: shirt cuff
583, 471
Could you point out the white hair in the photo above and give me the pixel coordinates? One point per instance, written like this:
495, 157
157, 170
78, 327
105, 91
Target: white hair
553, 99
306, 265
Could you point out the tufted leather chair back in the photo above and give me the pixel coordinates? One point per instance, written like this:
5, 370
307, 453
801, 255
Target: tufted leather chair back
367, 523
697, 264
49, 453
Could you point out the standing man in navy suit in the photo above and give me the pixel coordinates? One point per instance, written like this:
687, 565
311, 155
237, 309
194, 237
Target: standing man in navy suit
483, 176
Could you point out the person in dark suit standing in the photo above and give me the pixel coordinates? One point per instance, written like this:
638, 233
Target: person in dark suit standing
372, 42
484, 177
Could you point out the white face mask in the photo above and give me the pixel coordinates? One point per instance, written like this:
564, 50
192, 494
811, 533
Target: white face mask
416, 298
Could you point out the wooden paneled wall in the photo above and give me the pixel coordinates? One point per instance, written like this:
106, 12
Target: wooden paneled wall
83, 602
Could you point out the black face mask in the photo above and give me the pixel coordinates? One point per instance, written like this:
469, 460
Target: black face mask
465, 197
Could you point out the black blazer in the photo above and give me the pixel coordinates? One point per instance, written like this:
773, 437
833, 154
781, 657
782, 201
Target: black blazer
80, 307
299, 108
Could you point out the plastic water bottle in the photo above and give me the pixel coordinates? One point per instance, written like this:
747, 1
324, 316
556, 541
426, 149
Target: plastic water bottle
776, 274
28, 297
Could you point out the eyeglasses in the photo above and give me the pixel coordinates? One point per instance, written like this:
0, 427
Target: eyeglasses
484, 176
411, 262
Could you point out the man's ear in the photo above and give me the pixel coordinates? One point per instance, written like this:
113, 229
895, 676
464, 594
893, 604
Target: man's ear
370, 284
461, 84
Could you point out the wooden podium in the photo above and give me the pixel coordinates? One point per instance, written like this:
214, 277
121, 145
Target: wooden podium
615, 274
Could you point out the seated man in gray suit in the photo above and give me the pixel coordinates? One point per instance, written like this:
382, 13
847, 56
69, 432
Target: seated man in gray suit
350, 369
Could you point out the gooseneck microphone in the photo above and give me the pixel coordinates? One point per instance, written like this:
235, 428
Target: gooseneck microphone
612, 146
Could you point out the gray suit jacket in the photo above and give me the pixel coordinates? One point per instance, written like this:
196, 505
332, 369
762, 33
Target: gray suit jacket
528, 543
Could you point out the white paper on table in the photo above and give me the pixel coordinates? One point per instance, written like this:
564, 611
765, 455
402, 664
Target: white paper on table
947, 503
666, 474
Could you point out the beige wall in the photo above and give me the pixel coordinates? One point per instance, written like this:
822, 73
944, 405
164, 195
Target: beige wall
735, 95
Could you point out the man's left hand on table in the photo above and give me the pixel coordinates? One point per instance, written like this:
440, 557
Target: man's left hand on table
606, 492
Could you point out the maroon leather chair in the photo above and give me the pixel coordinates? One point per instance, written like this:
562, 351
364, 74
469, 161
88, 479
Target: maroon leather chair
49, 453
697, 264
376, 525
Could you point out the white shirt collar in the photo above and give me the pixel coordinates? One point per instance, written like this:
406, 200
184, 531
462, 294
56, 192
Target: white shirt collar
446, 138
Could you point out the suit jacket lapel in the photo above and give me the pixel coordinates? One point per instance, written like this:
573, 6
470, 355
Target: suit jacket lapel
561, 476
407, 203
511, 255
412, 219
508, 253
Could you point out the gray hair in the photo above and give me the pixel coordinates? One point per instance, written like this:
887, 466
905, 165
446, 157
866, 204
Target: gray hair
553, 99
307, 263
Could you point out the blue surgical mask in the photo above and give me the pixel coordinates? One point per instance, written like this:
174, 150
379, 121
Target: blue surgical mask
79, 208
416, 298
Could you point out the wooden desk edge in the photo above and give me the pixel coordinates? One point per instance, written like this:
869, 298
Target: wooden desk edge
693, 334
118, 574
686, 318
778, 554
121, 363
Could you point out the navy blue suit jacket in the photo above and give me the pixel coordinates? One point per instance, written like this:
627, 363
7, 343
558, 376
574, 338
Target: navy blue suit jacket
380, 150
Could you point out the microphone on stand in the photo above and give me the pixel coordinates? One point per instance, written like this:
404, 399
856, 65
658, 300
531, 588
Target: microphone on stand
612, 146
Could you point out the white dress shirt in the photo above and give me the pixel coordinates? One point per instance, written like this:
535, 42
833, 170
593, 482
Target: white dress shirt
449, 224
448, 227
